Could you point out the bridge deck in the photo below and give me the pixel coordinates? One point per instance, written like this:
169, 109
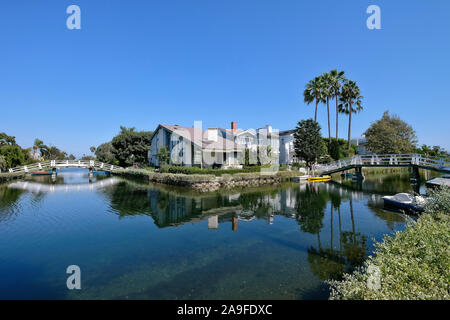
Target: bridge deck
406, 160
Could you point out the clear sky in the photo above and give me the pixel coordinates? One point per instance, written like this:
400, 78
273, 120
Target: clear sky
140, 63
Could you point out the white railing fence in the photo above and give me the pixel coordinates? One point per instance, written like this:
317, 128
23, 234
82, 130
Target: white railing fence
60, 164
387, 160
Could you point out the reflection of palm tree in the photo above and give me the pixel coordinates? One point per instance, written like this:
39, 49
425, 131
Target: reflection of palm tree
331, 264
353, 218
326, 264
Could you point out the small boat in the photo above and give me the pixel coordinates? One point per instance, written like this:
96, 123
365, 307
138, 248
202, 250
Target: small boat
405, 201
300, 178
100, 172
317, 179
42, 173
439, 182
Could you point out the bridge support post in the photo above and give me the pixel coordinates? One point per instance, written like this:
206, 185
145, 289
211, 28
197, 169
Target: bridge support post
415, 178
358, 173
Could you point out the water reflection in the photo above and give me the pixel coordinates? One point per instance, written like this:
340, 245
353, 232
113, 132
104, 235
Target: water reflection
39, 187
311, 205
154, 241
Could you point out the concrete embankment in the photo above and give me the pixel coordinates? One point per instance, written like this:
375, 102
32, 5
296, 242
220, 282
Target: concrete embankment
207, 182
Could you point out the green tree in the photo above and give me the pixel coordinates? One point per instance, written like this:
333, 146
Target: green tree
435, 151
308, 143
6, 140
337, 78
351, 102
104, 153
163, 156
314, 91
390, 134
92, 149
131, 146
12, 156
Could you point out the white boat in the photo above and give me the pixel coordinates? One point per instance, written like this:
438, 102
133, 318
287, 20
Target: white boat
406, 201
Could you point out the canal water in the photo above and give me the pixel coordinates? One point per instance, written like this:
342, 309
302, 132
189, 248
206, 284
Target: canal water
138, 241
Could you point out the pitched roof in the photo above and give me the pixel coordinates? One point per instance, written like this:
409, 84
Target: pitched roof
200, 138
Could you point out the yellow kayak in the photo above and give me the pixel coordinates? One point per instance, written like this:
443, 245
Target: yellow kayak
324, 178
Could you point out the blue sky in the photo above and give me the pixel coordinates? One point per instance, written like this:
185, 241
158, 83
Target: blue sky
140, 63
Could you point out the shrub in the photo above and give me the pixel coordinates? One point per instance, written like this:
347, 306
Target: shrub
216, 172
440, 201
413, 264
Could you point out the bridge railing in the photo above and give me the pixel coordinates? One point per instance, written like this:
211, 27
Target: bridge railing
57, 164
386, 160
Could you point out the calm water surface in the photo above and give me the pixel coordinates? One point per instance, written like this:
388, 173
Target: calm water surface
137, 241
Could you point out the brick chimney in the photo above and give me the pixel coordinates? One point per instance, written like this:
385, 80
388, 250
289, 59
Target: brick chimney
233, 126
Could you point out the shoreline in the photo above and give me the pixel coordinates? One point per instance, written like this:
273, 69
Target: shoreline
7, 176
208, 182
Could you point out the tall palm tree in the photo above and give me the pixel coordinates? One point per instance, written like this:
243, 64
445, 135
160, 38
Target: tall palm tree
337, 78
314, 92
351, 102
327, 82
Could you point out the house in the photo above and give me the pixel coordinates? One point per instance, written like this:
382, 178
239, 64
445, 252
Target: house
361, 145
287, 152
214, 147
193, 146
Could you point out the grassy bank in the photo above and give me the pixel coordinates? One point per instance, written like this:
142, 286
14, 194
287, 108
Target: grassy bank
5, 177
412, 264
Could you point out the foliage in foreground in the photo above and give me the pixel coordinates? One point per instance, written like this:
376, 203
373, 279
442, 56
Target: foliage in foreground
413, 264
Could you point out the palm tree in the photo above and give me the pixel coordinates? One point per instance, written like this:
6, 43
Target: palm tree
327, 92
350, 103
314, 92
337, 78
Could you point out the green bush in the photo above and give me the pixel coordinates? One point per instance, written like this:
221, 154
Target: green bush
440, 201
413, 264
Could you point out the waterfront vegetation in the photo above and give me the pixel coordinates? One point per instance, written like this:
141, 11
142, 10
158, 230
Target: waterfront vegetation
412, 264
391, 135
216, 172
206, 182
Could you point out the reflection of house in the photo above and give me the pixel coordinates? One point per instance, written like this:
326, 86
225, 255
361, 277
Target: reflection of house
213, 222
361, 145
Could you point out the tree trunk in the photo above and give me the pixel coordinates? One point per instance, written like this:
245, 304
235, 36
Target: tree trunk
315, 114
349, 127
337, 117
329, 129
